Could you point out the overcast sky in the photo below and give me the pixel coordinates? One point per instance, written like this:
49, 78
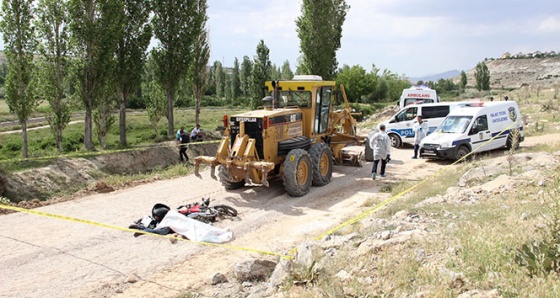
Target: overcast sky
409, 37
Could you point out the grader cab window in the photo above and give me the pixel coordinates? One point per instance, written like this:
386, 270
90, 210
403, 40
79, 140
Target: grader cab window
298, 98
322, 106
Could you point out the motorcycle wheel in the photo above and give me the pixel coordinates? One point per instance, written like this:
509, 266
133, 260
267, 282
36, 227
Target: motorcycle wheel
226, 210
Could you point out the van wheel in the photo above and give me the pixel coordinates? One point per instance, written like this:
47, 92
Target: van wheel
461, 152
226, 180
298, 173
395, 140
321, 156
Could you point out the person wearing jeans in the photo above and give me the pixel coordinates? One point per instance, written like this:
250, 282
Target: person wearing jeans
381, 145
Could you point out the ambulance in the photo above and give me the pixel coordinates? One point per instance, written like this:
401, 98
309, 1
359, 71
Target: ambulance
399, 126
478, 127
417, 95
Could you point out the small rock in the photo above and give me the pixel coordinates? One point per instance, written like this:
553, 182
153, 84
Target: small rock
524, 216
452, 250
343, 275
132, 279
219, 278
330, 251
253, 270
420, 254
386, 235
279, 274
368, 280
250, 192
119, 291
400, 215
100, 185
246, 284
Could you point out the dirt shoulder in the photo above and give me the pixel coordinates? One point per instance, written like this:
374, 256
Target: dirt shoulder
46, 256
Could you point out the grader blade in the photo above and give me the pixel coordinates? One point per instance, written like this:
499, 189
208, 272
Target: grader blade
207, 160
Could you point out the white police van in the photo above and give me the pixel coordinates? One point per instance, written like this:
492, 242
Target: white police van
399, 127
416, 95
471, 128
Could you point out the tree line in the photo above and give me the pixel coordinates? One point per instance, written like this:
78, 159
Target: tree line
93, 55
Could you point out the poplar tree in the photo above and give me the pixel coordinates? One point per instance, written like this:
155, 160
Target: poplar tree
219, 79
153, 95
177, 27
53, 74
286, 73
482, 77
19, 46
245, 76
463, 80
94, 26
260, 73
235, 81
103, 116
201, 56
319, 29
133, 39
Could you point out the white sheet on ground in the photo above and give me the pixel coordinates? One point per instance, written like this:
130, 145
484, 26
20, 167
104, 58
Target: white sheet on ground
194, 229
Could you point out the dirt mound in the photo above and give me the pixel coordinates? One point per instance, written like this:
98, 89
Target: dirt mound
67, 175
372, 122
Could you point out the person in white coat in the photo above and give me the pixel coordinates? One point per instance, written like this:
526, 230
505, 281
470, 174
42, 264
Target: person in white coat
420, 129
381, 145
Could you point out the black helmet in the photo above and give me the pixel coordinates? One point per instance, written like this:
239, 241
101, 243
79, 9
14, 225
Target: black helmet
159, 211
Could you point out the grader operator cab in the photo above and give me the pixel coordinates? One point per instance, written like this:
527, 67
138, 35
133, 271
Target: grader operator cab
297, 136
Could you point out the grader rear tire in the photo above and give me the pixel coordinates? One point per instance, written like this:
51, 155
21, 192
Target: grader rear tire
368, 151
226, 180
298, 173
321, 157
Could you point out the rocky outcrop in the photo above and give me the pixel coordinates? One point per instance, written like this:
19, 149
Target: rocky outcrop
516, 73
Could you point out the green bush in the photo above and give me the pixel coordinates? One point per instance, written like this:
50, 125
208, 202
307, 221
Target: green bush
212, 101
12, 147
72, 142
543, 256
539, 257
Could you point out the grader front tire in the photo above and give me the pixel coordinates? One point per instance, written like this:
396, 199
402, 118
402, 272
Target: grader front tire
298, 173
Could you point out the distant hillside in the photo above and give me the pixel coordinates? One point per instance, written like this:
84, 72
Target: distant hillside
436, 77
515, 73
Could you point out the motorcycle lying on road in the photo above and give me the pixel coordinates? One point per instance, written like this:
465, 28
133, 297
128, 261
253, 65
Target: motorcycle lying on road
202, 211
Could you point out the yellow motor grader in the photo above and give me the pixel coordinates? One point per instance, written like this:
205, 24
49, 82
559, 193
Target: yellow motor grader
296, 136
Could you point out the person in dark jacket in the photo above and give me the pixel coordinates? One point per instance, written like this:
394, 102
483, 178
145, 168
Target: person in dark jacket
183, 146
